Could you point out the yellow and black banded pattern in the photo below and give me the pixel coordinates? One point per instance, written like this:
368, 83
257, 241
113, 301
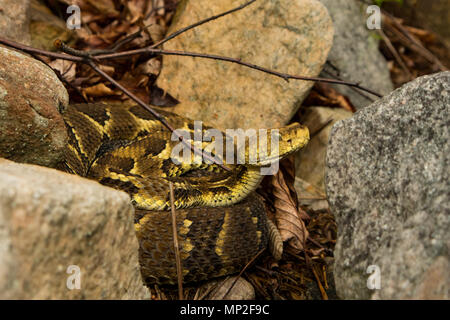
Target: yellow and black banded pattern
222, 223
213, 241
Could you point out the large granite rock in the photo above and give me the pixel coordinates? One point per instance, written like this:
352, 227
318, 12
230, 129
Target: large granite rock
14, 20
31, 96
54, 225
355, 56
291, 36
388, 184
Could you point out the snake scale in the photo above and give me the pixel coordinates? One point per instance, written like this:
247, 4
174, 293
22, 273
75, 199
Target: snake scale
221, 221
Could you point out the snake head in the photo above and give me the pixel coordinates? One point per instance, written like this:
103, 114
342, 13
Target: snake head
292, 138
279, 143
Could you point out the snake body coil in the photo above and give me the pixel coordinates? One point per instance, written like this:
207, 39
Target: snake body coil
222, 223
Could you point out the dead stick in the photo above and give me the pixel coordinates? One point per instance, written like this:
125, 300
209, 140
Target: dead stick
242, 271
178, 32
284, 76
175, 243
153, 112
87, 59
29, 49
394, 52
123, 54
414, 44
319, 283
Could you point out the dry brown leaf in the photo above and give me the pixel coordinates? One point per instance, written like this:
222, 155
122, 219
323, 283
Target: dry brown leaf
288, 216
99, 90
67, 69
151, 66
324, 95
136, 9
92, 40
160, 4
142, 81
157, 32
287, 166
161, 98
108, 69
317, 252
106, 7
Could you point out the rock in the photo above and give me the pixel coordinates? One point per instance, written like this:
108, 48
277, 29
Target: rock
51, 223
242, 290
45, 28
310, 162
14, 20
310, 196
291, 36
355, 56
387, 182
31, 128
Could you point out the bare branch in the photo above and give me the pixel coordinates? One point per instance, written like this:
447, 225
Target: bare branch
242, 271
192, 26
154, 113
29, 49
284, 76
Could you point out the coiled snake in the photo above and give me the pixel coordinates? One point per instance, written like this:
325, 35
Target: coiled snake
221, 222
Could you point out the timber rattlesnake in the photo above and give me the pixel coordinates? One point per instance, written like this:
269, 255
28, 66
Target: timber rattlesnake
222, 223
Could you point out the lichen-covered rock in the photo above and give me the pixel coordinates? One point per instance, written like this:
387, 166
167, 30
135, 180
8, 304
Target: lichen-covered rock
388, 184
31, 96
355, 56
54, 225
292, 36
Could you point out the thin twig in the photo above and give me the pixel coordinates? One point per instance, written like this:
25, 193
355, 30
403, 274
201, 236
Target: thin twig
178, 32
324, 274
175, 243
29, 49
410, 41
336, 76
123, 54
319, 245
394, 52
212, 289
87, 60
284, 76
86, 55
128, 39
154, 113
319, 284
130, 94
168, 7
258, 287
197, 292
242, 271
